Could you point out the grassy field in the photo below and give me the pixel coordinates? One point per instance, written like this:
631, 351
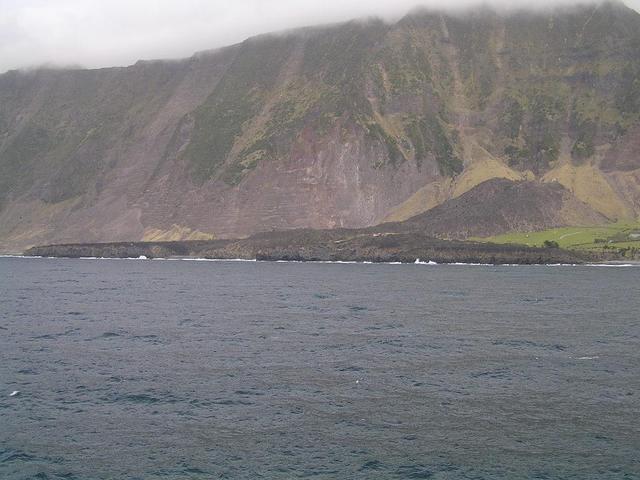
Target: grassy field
623, 235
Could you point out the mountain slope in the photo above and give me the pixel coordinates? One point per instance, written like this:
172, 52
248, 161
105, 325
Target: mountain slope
499, 206
346, 125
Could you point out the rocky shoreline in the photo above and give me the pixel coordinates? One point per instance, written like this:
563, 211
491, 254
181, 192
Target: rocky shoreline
327, 245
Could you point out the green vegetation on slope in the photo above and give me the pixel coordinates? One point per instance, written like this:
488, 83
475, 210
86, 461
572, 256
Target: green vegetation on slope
240, 96
18, 160
428, 135
532, 80
56, 126
620, 237
474, 37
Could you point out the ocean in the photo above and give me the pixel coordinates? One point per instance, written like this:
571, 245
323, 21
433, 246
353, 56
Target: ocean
150, 369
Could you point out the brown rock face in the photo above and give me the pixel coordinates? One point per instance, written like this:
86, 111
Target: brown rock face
340, 126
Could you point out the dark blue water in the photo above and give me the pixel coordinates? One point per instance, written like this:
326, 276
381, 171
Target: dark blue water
176, 369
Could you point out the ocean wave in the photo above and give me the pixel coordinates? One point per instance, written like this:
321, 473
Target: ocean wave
428, 262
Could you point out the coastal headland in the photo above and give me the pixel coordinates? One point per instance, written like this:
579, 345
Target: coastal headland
360, 245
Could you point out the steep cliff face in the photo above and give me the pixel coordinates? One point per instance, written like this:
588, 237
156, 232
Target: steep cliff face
347, 125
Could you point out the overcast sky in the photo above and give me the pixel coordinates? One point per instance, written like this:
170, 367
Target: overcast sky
97, 33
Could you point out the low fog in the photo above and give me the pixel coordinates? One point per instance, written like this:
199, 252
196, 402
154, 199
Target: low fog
96, 33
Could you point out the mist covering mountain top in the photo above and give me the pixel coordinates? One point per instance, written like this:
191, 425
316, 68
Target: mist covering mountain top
346, 125
94, 33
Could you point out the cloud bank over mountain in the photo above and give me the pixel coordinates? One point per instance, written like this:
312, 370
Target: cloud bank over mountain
94, 33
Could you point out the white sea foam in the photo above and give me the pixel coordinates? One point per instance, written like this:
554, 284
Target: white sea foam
418, 262
613, 265
461, 264
193, 259
100, 258
341, 262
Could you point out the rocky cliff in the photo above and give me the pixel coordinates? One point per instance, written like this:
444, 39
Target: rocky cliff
348, 125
